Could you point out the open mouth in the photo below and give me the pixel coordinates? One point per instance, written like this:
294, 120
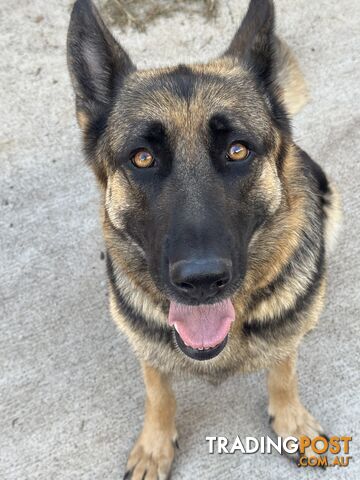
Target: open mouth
201, 332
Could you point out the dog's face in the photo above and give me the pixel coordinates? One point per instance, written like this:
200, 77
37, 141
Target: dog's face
190, 160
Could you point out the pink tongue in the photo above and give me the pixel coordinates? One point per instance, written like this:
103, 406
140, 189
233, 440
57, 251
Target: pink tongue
202, 326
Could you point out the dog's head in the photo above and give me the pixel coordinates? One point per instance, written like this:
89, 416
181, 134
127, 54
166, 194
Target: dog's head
190, 161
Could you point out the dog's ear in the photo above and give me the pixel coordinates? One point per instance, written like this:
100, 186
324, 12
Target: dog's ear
254, 42
97, 63
256, 45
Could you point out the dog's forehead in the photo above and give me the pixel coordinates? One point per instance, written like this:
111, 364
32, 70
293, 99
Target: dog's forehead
184, 98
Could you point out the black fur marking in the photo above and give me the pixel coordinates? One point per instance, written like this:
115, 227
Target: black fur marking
96, 128
181, 82
279, 113
280, 324
313, 171
152, 136
155, 132
282, 155
290, 269
277, 108
223, 132
127, 475
137, 321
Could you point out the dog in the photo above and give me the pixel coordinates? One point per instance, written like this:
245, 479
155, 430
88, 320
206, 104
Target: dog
217, 225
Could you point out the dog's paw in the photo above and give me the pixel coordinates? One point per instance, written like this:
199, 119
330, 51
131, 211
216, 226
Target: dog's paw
296, 421
152, 456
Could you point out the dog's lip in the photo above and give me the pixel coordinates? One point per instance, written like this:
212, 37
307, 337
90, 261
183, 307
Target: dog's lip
197, 353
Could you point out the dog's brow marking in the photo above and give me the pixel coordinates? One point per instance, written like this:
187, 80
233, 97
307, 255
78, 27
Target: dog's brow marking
270, 184
116, 199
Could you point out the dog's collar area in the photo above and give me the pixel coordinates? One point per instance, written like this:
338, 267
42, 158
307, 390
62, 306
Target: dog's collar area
196, 354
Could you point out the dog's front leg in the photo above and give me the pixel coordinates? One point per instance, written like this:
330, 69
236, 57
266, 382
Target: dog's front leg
288, 417
153, 453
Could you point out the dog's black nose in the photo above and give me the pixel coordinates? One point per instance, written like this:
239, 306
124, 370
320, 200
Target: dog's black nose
200, 279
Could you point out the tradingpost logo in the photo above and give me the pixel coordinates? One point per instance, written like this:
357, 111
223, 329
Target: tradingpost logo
312, 452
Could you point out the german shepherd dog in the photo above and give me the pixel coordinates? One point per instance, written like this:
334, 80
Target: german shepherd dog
216, 224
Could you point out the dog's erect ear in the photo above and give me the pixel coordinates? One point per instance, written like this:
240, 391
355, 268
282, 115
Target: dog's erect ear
270, 58
254, 42
97, 63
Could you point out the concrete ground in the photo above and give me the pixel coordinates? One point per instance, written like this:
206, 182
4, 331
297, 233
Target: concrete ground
71, 397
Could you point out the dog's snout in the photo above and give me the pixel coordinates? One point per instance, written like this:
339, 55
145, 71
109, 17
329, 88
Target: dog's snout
200, 279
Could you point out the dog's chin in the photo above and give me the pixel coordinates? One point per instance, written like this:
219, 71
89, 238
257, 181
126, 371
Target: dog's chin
200, 354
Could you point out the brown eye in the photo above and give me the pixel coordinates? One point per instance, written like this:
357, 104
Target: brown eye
143, 159
237, 151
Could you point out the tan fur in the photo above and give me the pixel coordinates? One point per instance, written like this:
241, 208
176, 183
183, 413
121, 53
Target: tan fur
291, 80
117, 198
82, 119
153, 452
283, 234
288, 416
334, 216
270, 186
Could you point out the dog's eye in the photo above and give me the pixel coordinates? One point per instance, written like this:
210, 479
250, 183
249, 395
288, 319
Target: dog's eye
143, 159
237, 152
